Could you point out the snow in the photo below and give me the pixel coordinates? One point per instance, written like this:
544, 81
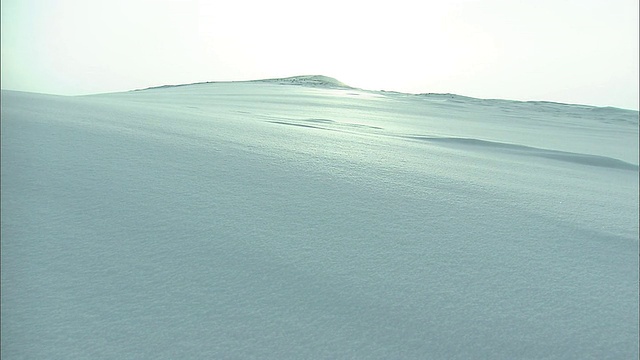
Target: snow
271, 220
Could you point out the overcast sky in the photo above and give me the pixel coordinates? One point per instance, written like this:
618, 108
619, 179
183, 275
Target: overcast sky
582, 51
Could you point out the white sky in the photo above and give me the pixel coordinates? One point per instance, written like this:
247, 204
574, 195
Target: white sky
582, 51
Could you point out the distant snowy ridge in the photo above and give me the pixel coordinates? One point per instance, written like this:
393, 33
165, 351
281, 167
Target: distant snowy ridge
534, 104
302, 80
308, 80
329, 82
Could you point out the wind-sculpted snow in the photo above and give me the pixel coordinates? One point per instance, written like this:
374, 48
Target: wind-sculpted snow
586, 159
262, 220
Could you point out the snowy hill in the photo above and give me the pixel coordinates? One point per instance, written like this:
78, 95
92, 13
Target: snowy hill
255, 220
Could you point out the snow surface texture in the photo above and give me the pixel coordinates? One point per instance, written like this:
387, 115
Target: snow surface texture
264, 220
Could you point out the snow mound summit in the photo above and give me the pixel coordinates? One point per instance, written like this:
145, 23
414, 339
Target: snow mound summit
308, 80
302, 80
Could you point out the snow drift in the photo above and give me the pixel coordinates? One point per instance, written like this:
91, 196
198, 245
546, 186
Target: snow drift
264, 220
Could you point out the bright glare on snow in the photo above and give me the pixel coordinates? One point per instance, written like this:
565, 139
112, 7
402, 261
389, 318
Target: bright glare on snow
272, 220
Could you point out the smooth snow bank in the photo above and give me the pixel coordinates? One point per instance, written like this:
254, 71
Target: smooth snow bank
258, 220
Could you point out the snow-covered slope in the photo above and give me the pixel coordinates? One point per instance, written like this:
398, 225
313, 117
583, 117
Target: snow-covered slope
263, 220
